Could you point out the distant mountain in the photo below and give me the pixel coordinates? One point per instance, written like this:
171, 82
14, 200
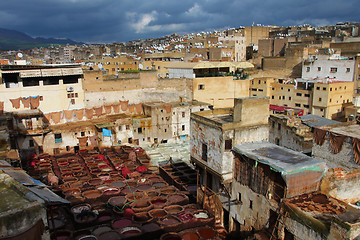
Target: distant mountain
15, 40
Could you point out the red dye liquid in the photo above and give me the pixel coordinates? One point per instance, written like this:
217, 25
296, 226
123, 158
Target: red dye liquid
121, 223
158, 202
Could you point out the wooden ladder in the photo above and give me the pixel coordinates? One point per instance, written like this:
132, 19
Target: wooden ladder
279, 219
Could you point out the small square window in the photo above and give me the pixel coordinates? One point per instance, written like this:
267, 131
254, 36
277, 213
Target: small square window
201, 86
333, 70
347, 69
319, 69
319, 99
83, 134
308, 69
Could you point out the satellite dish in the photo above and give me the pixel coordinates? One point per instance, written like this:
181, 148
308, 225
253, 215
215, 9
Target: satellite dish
20, 55
141, 66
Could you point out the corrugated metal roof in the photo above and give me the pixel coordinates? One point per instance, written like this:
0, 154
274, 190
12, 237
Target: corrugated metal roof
316, 121
281, 159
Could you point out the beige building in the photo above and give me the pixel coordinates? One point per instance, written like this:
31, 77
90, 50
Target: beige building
323, 98
118, 64
48, 89
209, 77
254, 33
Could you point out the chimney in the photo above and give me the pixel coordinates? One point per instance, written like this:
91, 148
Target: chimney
251, 110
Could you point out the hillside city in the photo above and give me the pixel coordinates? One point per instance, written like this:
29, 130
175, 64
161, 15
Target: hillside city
245, 133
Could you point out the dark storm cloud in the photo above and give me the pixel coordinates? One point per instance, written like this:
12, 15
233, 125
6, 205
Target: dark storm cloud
124, 20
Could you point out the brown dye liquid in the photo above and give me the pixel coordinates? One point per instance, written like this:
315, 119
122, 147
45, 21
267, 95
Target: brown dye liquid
207, 233
190, 236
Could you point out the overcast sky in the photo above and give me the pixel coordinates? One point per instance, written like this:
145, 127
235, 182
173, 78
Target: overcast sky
107, 21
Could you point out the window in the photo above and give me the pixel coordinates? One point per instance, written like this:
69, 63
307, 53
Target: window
320, 99
331, 89
321, 109
72, 101
76, 95
308, 69
319, 69
307, 95
333, 70
58, 138
139, 130
298, 94
324, 88
289, 98
201, 86
165, 130
279, 126
183, 114
183, 127
347, 69
272, 97
330, 100
306, 106
83, 134
31, 143
317, 88
297, 104
239, 197
283, 97
228, 144
251, 204
127, 127
259, 81
204, 152
289, 90
261, 90
41, 98
279, 97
